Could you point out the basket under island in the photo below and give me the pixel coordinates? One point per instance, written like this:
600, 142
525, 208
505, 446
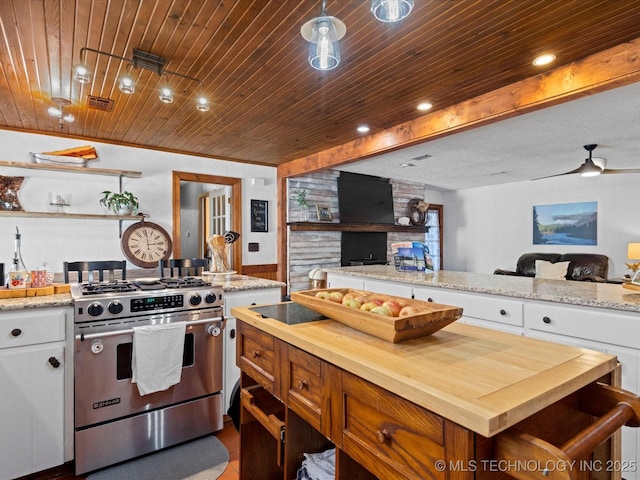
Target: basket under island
464, 403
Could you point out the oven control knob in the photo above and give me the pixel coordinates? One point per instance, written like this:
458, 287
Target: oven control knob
115, 307
210, 297
195, 299
95, 309
213, 330
97, 346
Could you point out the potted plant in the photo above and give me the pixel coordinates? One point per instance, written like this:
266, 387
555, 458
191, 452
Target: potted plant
125, 203
301, 200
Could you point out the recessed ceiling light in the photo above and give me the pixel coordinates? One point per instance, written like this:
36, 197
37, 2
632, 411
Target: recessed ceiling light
545, 59
424, 106
422, 157
363, 129
406, 165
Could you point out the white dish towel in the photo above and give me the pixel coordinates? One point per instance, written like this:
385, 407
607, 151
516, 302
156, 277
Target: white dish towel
157, 356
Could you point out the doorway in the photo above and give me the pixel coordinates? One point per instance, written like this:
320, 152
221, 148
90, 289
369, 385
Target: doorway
234, 204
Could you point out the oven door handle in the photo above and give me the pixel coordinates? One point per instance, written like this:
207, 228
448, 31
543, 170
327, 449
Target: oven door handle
90, 336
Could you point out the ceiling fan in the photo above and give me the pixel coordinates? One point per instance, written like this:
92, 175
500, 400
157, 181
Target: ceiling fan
593, 166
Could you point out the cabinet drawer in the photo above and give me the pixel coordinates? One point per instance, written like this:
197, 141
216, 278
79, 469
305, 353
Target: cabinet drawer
256, 354
599, 325
483, 307
303, 377
32, 327
391, 437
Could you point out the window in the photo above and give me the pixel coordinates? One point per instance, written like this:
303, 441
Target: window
433, 238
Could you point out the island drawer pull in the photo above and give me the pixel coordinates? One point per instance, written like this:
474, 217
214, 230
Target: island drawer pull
383, 436
614, 408
302, 385
255, 354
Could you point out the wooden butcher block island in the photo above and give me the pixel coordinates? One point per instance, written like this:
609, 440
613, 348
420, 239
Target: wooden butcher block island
462, 403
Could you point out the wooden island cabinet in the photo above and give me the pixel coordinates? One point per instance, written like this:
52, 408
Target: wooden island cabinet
463, 403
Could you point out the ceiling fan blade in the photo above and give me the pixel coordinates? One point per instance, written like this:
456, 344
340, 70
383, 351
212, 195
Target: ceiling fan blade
558, 174
624, 170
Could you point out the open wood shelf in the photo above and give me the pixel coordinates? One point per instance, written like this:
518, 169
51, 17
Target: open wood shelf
354, 227
86, 216
72, 169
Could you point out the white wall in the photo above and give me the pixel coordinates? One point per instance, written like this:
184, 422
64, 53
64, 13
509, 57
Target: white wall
55, 240
490, 227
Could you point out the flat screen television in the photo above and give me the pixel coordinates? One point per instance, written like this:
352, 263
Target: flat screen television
365, 199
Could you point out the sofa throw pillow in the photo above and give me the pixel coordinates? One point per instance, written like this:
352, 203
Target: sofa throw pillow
551, 271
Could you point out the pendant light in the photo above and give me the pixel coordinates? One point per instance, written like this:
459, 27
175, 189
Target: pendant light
391, 10
323, 34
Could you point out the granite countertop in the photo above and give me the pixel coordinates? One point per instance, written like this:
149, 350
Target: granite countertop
232, 283
237, 283
589, 294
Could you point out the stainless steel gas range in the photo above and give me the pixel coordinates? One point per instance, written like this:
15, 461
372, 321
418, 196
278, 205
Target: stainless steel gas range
113, 421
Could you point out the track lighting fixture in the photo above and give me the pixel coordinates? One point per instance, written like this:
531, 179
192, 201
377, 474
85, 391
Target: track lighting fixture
58, 112
145, 61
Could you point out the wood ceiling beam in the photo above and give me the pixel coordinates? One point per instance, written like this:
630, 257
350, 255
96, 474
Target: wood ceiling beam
612, 68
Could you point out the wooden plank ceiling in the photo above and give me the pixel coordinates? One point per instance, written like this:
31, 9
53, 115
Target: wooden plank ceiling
268, 106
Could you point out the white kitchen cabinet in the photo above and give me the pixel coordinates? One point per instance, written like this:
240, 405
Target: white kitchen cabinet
593, 328
388, 288
344, 281
239, 299
32, 403
487, 311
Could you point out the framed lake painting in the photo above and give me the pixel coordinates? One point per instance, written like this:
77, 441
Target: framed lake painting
566, 224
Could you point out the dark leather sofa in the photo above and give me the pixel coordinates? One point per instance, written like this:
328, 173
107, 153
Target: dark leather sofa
582, 266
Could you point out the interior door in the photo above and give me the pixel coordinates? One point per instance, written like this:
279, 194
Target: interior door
220, 213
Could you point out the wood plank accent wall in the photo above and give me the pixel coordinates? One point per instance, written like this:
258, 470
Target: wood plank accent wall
309, 250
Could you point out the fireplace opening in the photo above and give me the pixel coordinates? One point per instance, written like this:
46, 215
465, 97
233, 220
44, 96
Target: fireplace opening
363, 248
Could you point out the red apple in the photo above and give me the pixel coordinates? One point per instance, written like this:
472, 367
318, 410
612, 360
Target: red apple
377, 301
382, 310
408, 310
393, 306
368, 306
336, 297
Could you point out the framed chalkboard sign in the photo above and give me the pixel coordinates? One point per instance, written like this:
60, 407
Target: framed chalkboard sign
259, 216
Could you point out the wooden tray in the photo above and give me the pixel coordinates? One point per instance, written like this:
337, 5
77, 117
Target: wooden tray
431, 317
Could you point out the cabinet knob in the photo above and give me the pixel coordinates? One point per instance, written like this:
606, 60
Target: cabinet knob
383, 436
503, 312
16, 332
302, 385
54, 362
429, 299
232, 333
255, 354
546, 319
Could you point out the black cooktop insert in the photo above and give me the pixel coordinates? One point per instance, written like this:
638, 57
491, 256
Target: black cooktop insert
290, 313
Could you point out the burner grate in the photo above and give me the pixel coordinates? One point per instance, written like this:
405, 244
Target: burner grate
183, 282
108, 287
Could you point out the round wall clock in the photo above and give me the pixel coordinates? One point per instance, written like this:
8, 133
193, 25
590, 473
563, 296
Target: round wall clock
145, 244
